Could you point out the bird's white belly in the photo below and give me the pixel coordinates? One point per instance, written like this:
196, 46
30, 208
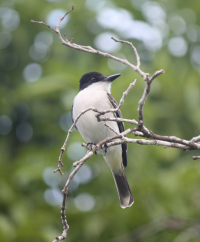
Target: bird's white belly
90, 129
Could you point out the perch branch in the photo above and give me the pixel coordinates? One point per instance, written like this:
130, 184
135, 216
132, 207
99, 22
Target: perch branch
140, 130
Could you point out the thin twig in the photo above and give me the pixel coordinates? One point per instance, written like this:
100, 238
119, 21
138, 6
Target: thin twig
133, 47
195, 139
91, 50
131, 121
107, 125
121, 102
61, 19
40, 22
68, 135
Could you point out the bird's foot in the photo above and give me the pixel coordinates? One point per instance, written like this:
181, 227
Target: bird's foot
105, 146
90, 146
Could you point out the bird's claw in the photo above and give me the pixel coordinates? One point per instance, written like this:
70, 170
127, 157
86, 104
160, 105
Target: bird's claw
105, 146
90, 147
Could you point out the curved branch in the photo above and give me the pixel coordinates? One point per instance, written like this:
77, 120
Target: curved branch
91, 50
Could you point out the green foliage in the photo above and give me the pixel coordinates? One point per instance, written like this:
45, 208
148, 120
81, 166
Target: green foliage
163, 181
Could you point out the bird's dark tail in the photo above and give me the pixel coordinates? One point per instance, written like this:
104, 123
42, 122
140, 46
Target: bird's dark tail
114, 160
123, 189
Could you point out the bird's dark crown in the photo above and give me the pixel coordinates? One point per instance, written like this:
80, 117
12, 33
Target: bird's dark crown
90, 78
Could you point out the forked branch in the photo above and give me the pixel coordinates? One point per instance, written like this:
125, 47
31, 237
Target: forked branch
139, 130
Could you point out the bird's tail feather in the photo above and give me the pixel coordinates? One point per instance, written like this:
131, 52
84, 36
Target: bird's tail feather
123, 189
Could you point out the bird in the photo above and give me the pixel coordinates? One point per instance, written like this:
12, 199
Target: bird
95, 91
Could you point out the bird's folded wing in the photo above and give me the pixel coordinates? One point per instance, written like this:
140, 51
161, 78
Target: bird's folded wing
72, 116
120, 126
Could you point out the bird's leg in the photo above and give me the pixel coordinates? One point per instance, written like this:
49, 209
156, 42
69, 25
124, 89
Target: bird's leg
105, 146
90, 146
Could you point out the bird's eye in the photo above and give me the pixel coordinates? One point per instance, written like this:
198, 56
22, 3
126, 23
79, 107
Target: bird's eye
93, 79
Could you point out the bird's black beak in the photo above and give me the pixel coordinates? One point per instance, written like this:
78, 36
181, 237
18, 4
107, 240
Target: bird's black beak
112, 78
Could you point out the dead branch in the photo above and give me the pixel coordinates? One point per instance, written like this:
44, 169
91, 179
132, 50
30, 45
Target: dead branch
139, 130
91, 50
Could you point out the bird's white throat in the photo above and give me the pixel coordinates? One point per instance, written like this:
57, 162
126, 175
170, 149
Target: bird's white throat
100, 86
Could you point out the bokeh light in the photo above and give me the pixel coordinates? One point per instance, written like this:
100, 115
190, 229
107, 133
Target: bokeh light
32, 72
84, 202
84, 175
53, 196
75, 151
95, 5
177, 25
104, 42
5, 125
24, 132
54, 17
177, 46
21, 112
9, 61
50, 178
42, 43
65, 121
115, 65
122, 22
67, 97
5, 39
137, 4
193, 33
195, 55
188, 15
10, 19
115, 18
153, 12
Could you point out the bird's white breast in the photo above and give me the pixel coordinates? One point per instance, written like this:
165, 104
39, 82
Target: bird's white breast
90, 129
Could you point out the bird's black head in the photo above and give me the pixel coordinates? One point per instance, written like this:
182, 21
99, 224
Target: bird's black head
92, 77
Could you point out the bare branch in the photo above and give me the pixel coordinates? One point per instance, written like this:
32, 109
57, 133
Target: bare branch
157, 73
65, 190
77, 165
165, 144
196, 157
144, 97
121, 102
68, 135
195, 139
91, 50
64, 221
131, 121
61, 19
40, 22
107, 125
133, 47
119, 138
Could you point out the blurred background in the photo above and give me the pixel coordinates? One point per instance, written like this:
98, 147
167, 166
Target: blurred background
39, 77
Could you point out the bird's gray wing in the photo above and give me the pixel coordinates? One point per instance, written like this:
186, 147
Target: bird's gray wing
121, 128
72, 115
